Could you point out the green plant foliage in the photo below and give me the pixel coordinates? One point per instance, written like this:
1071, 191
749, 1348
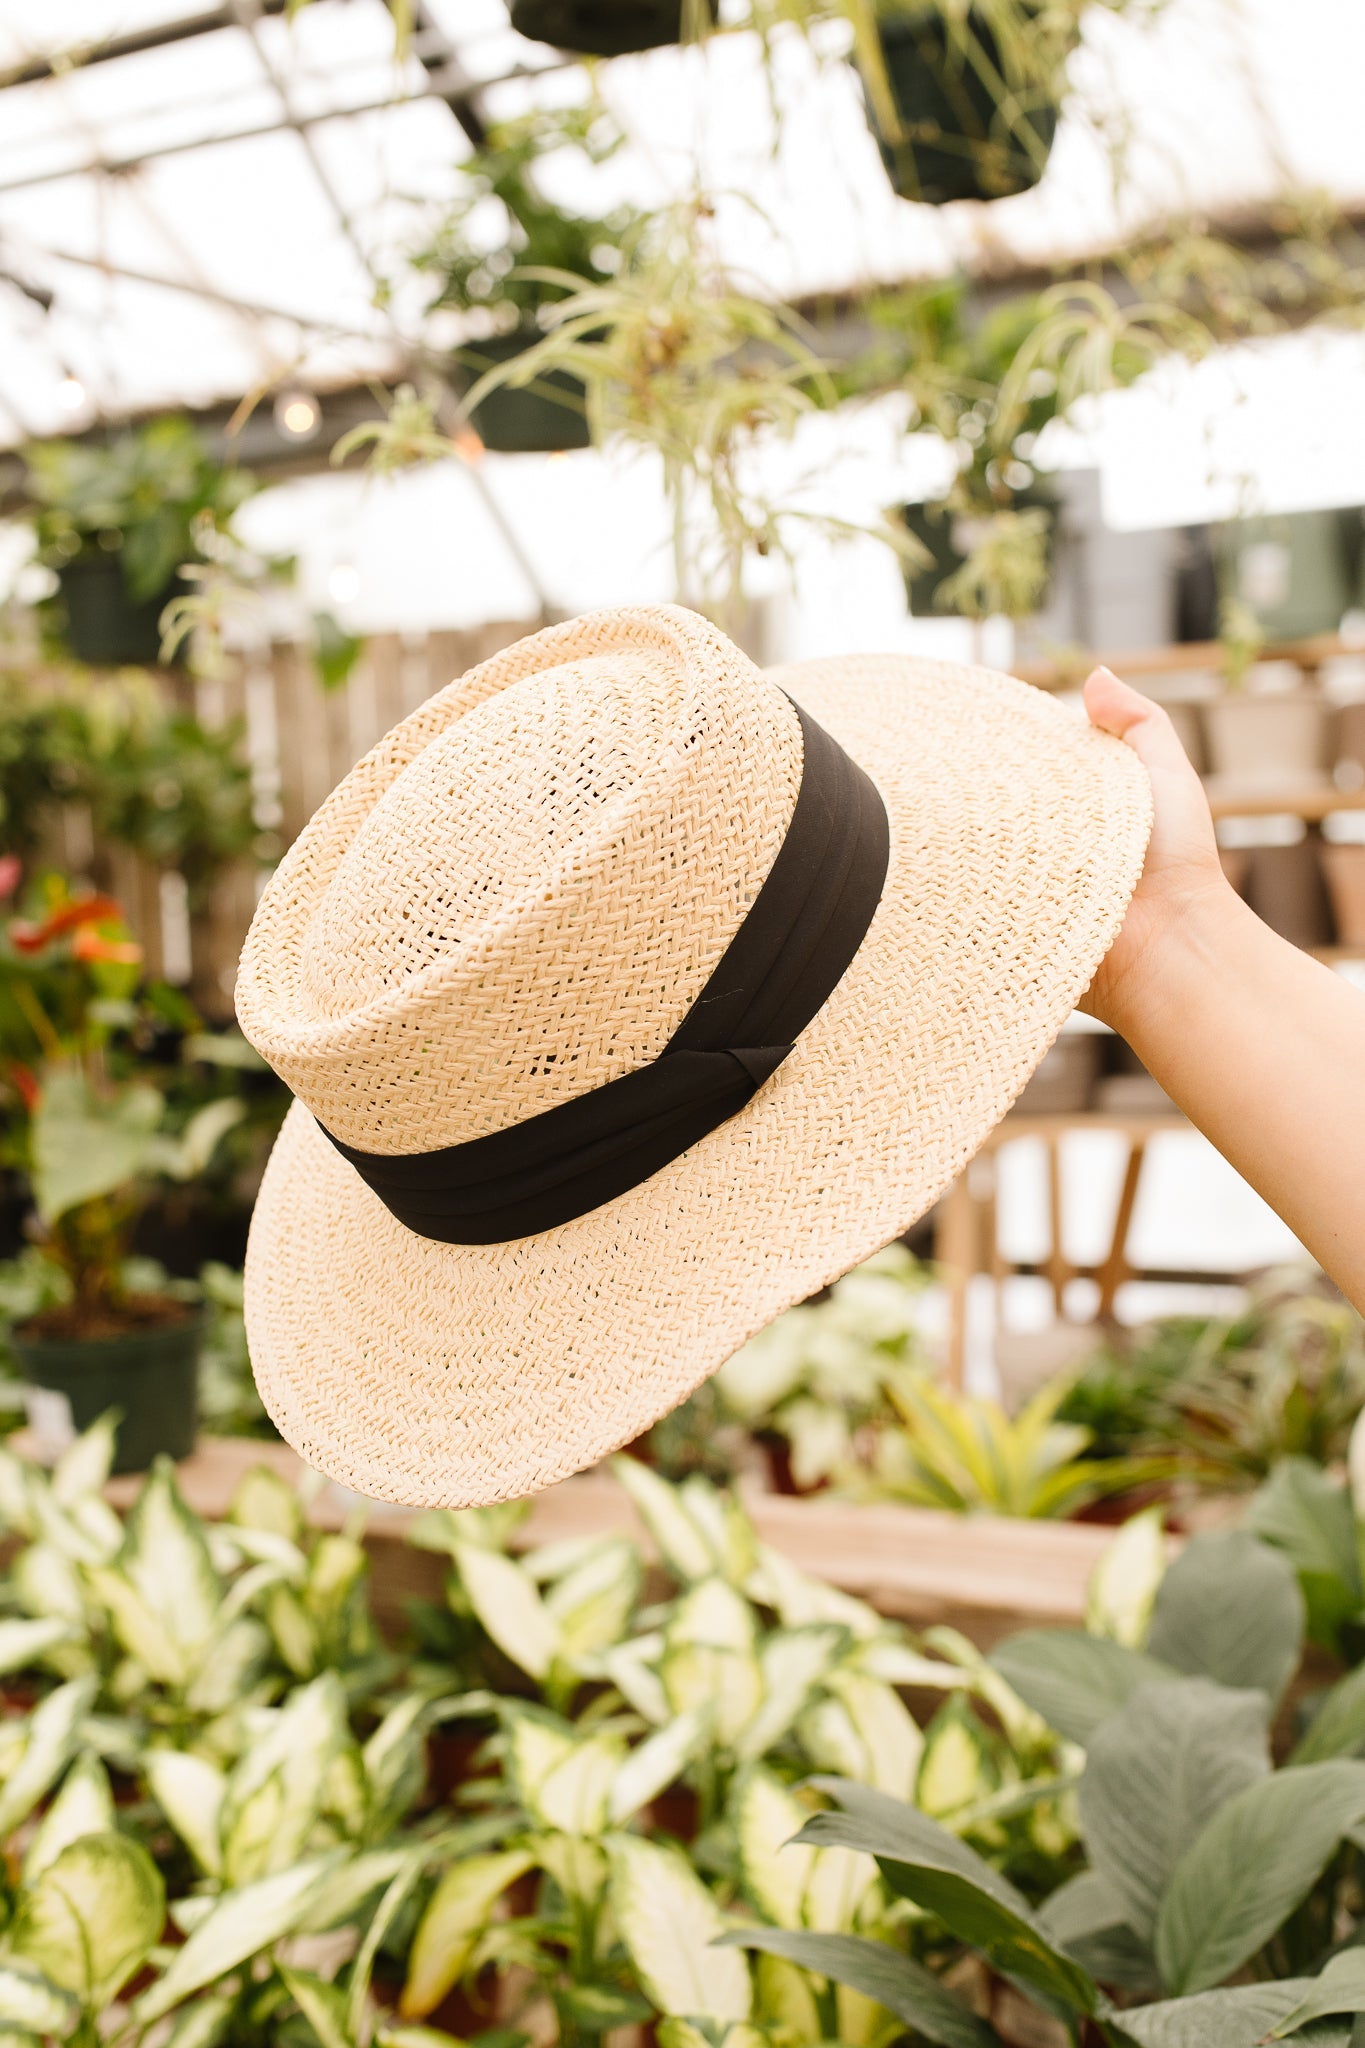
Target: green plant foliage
1229, 1397
964, 1453
471, 272
150, 777
152, 495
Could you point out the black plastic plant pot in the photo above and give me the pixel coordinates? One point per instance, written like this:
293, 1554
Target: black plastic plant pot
543, 418
151, 1376
104, 626
962, 138
935, 528
602, 28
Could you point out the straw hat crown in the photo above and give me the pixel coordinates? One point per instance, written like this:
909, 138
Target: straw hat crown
520, 894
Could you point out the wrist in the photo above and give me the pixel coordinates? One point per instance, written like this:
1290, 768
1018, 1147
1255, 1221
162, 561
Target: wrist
1177, 955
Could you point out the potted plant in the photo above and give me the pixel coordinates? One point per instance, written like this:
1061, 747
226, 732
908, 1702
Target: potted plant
1260, 739
116, 520
965, 102
94, 1137
506, 287
612, 28
676, 357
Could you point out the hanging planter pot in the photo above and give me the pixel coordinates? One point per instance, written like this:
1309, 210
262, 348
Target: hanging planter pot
151, 1376
543, 418
944, 535
104, 626
607, 28
967, 132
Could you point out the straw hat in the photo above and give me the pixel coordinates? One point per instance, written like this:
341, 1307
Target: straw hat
513, 903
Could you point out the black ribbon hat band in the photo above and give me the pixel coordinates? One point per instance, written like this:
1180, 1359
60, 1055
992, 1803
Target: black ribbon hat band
791, 951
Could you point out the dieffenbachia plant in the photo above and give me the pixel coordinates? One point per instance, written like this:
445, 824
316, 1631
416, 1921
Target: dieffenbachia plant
1204, 1863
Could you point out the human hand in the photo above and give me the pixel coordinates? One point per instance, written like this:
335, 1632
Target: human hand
1183, 877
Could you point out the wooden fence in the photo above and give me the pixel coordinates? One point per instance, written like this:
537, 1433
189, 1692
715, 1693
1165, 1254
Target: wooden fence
301, 740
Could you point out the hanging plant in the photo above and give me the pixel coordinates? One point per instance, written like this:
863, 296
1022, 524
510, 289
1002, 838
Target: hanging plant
502, 285
117, 521
974, 96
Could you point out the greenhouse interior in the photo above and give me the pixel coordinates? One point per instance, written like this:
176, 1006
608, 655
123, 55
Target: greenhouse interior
730, 635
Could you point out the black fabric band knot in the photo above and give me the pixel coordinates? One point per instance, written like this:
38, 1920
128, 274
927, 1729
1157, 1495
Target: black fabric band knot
787, 957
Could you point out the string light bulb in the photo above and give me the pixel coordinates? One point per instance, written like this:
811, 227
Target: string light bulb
298, 415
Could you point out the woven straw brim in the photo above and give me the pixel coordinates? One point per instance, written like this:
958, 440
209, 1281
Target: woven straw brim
447, 1375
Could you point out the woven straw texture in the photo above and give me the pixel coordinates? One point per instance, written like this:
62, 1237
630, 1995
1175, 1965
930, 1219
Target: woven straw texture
517, 896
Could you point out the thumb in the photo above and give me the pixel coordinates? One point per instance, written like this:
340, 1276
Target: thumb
1116, 707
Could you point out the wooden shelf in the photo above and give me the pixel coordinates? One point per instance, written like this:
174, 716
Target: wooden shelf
1312, 805
1182, 658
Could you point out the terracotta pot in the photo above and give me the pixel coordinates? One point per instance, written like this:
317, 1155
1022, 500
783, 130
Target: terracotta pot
1236, 862
1064, 1077
1184, 716
1285, 887
1349, 745
1344, 867
1267, 742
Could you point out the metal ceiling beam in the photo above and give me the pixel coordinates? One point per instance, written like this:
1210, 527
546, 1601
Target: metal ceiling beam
230, 301
79, 55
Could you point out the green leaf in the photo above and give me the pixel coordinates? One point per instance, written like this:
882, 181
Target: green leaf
791, 1662
1085, 1917
889, 1734
1256, 1860
775, 1867
162, 1591
573, 1796
655, 1763
1122, 1587
508, 1605
241, 1924
1223, 2019
923, 1862
50, 1743
1231, 1610
29, 2002
202, 2023
191, 1153
1340, 1988
592, 1604
322, 2005
447, 1934
683, 1547
1308, 1515
90, 1919
273, 1798
84, 1146
1155, 1773
24, 1642
903, 1987
1338, 1726
1074, 1680
668, 1921
84, 1806
85, 1464
189, 1790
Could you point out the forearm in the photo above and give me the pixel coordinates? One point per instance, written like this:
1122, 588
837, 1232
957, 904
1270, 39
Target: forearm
1264, 1049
